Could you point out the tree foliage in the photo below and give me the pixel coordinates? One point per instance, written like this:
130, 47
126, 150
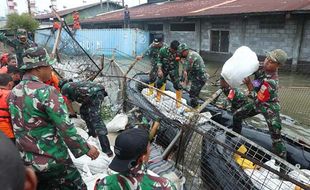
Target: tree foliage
24, 21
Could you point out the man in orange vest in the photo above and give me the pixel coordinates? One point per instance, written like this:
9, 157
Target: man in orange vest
6, 85
76, 20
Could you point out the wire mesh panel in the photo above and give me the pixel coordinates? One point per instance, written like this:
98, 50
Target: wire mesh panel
210, 155
295, 102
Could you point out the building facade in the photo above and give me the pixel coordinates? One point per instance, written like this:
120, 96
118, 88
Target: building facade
220, 29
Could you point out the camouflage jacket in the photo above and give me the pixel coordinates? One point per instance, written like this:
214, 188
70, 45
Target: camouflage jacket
265, 87
166, 59
138, 180
153, 52
81, 91
41, 124
195, 66
17, 45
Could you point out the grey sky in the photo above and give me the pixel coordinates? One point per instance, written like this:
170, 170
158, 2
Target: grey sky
44, 4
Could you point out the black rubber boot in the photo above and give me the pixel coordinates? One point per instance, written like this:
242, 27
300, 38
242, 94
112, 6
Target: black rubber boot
105, 145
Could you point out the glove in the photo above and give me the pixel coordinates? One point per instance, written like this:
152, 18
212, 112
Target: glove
72, 115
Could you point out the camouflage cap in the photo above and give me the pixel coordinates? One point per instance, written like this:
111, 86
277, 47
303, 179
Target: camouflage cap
36, 57
182, 47
277, 55
21, 32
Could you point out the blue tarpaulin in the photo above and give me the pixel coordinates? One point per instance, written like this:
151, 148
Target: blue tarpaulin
130, 42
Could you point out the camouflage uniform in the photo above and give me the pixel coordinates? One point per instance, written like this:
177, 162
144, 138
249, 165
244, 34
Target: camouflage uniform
170, 66
135, 180
196, 73
236, 98
90, 95
18, 46
43, 130
153, 53
266, 102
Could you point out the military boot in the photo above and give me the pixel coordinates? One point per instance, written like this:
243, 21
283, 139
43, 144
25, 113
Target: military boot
105, 145
151, 89
178, 94
162, 88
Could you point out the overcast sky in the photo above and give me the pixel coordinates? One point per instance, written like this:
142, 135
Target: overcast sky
44, 4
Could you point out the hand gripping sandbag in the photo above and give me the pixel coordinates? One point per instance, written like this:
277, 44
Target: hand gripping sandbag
242, 64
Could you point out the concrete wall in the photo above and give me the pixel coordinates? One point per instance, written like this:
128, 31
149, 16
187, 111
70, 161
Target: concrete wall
305, 45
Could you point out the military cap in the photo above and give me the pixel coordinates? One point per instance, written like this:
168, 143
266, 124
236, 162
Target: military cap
36, 57
129, 146
156, 41
21, 32
277, 55
182, 47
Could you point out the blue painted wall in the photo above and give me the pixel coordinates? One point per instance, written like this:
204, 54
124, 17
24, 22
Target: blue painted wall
129, 42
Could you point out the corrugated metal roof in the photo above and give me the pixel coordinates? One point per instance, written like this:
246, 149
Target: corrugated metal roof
68, 11
192, 8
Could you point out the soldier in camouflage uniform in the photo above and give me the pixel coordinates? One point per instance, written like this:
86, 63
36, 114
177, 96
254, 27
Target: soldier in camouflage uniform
264, 91
153, 53
90, 95
42, 127
132, 150
168, 64
194, 71
20, 44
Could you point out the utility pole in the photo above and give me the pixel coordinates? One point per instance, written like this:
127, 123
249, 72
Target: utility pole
29, 7
123, 3
108, 5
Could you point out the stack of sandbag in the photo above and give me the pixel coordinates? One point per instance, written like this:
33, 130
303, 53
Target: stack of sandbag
165, 168
242, 64
167, 107
264, 179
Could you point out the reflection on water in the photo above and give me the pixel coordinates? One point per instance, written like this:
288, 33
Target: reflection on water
288, 91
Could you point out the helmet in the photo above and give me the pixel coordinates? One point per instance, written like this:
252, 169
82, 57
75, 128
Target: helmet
36, 57
182, 47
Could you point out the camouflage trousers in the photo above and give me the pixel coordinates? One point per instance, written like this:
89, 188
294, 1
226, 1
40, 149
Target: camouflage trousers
91, 113
271, 113
196, 87
173, 73
61, 177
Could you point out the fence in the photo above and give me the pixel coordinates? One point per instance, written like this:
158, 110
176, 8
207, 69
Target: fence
210, 155
295, 103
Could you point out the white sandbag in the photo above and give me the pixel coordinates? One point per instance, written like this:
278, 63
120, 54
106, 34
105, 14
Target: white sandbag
79, 123
118, 123
242, 64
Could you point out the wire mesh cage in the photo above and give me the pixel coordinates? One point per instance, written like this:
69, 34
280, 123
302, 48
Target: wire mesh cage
209, 155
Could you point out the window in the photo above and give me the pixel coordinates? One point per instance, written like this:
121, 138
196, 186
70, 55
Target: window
155, 27
182, 27
219, 41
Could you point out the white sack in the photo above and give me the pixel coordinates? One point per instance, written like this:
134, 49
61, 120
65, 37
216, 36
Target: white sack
118, 123
242, 64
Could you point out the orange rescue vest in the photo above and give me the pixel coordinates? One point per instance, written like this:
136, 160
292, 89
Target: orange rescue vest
5, 118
